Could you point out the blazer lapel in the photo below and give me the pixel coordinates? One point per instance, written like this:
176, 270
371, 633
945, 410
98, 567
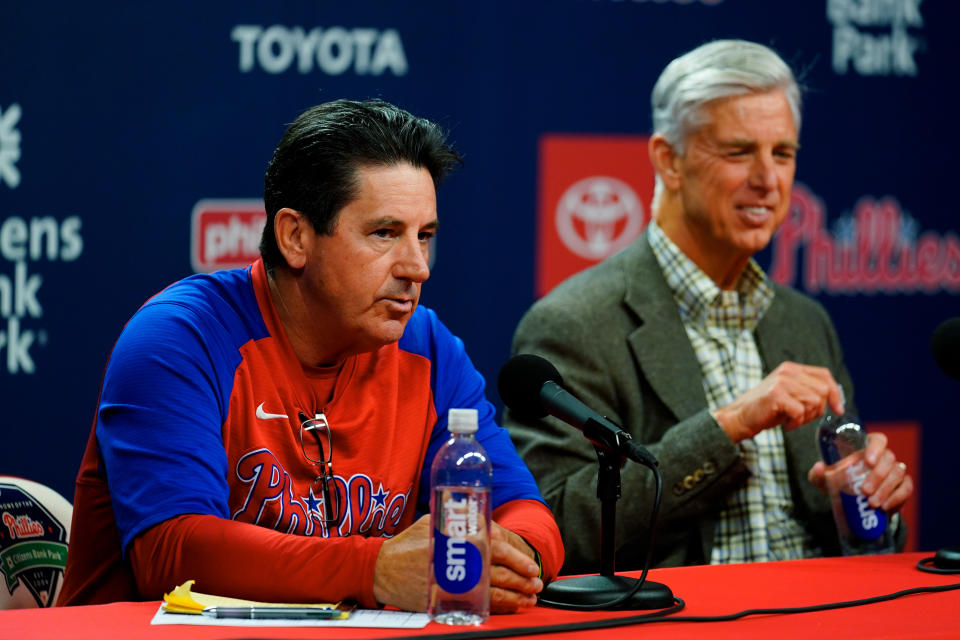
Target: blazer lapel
774, 343
659, 343
777, 344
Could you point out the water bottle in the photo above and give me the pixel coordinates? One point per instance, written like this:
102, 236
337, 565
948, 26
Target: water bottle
862, 529
460, 479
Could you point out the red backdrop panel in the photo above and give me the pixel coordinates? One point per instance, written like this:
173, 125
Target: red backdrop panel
903, 438
594, 199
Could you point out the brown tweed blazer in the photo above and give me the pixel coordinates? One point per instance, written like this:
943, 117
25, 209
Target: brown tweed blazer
615, 335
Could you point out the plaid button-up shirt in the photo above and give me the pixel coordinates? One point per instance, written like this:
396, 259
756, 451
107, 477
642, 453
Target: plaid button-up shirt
757, 521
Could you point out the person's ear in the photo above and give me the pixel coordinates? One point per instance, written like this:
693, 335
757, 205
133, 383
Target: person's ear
290, 228
666, 161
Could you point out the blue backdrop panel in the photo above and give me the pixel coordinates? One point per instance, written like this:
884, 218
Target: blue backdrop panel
117, 119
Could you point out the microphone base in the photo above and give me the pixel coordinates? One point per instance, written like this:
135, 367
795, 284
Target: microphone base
598, 590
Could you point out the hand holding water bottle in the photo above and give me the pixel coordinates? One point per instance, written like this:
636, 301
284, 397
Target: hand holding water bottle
864, 481
475, 565
888, 486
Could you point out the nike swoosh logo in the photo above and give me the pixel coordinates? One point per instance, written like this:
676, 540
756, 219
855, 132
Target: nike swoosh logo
263, 415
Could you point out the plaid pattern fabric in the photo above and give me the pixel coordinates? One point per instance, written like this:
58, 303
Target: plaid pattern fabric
756, 523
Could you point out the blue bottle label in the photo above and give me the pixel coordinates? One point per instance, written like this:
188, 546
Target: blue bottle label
864, 521
457, 563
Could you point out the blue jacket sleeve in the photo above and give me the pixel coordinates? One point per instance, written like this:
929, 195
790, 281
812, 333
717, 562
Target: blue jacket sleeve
457, 384
165, 396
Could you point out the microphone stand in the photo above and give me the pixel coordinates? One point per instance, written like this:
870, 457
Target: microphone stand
606, 590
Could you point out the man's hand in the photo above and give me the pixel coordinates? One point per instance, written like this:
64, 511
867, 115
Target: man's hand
400, 577
792, 395
513, 572
887, 487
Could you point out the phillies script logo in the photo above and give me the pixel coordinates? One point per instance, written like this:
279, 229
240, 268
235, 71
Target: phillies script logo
225, 234
877, 248
33, 546
272, 501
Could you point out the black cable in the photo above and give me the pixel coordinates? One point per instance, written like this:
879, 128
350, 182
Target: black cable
661, 616
925, 565
829, 606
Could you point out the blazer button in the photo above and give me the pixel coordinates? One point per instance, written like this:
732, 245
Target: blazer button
709, 468
698, 475
678, 489
689, 482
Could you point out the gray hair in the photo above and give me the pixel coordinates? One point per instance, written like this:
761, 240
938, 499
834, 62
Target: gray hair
718, 69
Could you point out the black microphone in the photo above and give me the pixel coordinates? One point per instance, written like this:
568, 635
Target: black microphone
945, 345
532, 387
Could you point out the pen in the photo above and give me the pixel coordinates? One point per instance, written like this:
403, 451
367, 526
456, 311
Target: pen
272, 613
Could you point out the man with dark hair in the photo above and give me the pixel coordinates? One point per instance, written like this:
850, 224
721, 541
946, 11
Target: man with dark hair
313, 169
228, 397
682, 339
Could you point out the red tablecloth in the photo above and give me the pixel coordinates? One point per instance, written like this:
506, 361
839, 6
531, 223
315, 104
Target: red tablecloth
709, 590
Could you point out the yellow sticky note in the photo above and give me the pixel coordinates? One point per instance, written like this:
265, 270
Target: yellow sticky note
180, 600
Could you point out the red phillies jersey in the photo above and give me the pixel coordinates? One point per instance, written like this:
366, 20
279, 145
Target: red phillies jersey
198, 431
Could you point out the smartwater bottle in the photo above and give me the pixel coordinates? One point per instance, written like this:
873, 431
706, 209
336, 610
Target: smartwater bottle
460, 478
862, 529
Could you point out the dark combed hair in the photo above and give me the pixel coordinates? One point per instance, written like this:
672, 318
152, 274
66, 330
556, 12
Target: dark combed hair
314, 167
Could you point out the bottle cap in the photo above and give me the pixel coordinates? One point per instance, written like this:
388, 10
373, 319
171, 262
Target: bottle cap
462, 420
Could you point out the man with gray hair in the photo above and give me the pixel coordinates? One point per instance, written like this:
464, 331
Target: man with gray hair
684, 341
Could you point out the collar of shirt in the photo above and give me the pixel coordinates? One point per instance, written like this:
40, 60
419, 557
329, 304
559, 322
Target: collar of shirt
700, 301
